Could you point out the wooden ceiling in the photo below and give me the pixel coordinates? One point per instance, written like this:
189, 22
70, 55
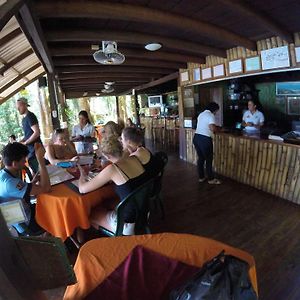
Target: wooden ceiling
188, 30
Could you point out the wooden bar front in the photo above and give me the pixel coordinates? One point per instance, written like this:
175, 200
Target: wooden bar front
271, 166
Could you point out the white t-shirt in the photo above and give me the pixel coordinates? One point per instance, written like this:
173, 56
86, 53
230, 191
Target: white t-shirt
204, 120
256, 118
87, 131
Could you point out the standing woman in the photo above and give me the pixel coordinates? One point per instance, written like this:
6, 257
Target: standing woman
206, 127
83, 134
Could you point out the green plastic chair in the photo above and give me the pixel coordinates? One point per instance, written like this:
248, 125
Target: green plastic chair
139, 202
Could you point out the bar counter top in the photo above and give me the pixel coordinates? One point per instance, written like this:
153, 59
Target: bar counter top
271, 166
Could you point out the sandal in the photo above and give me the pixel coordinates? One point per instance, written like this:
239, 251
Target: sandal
214, 181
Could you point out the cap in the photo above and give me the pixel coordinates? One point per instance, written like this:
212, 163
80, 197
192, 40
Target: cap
24, 100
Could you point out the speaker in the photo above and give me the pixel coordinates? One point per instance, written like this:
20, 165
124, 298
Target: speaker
42, 81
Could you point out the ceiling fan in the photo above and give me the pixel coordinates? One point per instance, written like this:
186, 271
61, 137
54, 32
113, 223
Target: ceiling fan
108, 88
109, 54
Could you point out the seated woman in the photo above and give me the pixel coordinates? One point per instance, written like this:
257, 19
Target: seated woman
111, 128
132, 140
61, 149
126, 173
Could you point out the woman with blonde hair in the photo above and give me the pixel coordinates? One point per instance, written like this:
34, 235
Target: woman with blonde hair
126, 173
111, 128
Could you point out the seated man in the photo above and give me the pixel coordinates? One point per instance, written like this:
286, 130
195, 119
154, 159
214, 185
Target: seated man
61, 149
11, 185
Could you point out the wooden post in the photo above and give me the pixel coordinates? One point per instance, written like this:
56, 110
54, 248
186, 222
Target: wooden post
137, 109
53, 101
118, 108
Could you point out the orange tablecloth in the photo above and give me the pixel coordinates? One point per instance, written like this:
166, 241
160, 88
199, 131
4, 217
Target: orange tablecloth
62, 210
98, 258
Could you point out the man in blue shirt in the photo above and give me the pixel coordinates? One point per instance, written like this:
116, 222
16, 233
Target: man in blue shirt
31, 131
13, 187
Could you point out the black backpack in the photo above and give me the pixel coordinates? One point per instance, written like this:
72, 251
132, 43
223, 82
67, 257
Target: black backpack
225, 277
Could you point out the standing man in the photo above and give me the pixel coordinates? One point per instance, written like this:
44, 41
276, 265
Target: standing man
31, 131
13, 187
253, 119
206, 127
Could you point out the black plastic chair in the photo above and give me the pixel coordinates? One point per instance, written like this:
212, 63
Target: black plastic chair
156, 198
137, 202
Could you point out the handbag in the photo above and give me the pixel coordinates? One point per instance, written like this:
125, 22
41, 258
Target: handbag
224, 277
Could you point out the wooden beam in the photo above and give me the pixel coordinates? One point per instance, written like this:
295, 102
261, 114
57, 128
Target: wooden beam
6, 39
84, 61
138, 13
96, 88
81, 75
102, 80
96, 35
73, 50
8, 10
109, 69
21, 76
156, 82
79, 94
259, 18
33, 31
16, 60
20, 88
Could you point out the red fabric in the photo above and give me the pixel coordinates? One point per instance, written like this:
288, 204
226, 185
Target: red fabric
144, 274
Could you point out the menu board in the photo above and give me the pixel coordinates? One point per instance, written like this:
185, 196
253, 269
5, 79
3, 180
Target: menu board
275, 58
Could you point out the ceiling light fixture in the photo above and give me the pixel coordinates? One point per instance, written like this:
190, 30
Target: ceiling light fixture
109, 82
153, 46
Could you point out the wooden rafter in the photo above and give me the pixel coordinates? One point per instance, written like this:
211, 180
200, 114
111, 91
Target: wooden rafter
260, 18
15, 61
102, 80
33, 32
9, 37
137, 13
8, 9
128, 52
96, 35
85, 61
109, 69
82, 75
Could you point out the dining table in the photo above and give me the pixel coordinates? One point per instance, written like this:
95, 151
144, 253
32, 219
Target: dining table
64, 209
99, 258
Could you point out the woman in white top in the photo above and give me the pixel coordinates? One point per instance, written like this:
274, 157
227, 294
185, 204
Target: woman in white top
203, 142
83, 134
253, 119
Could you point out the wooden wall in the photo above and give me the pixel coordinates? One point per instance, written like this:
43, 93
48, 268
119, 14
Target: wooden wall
273, 167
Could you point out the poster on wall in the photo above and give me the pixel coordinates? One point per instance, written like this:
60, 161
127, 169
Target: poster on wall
275, 58
252, 64
288, 88
184, 76
206, 73
235, 66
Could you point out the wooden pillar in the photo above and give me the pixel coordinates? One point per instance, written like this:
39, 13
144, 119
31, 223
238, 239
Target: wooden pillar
137, 110
53, 101
118, 108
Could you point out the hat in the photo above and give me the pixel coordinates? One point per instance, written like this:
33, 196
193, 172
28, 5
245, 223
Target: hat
24, 100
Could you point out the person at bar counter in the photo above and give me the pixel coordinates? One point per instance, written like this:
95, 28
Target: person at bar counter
31, 131
253, 119
206, 127
83, 134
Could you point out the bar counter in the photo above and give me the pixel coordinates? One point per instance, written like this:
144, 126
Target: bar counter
268, 165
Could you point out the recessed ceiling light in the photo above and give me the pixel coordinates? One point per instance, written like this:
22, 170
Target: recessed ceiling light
153, 46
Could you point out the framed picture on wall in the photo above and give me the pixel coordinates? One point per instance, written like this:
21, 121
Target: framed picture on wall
184, 77
275, 58
235, 66
252, 64
297, 54
293, 106
206, 73
196, 74
288, 88
219, 71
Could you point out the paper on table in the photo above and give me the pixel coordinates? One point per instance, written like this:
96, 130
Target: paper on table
85, 160
58, 175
